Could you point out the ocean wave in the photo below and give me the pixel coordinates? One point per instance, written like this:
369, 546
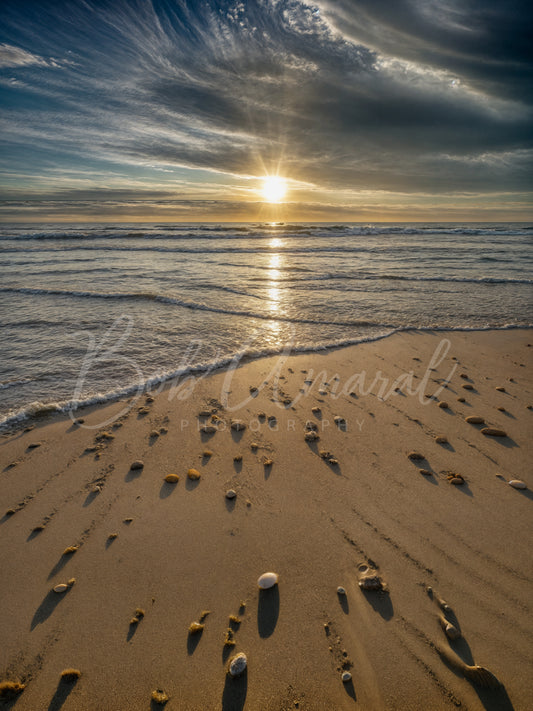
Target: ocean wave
263, 231
188, 305
39, 408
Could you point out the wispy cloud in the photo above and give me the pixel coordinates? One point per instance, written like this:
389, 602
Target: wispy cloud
351, 95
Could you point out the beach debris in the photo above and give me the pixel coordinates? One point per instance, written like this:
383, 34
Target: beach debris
467, 386
311, 426
346, 677
267, 580
254, 446
208, 429
163, 430
500, 389
253, 390
238, 664
311, 436
517, 484
316, 410
238, 425
441, 439
461, 399
501, 409
196, 627
481, 676
464, 375
193, 474
235, 620
425, 472
61, 588
229, 638
493, 432
143, 410
415, 456
139, 614
172, 478
204, 413
159, 697
112, 536
341, 590
128, 520
205, 613
231, 494
443, 405
207, 453
339, 421
70, 550
369, 578
10, 512
268, 462
261, 415
237, 458
455, 479
475, 420
137, 464
11, 689
70, 674
154, 434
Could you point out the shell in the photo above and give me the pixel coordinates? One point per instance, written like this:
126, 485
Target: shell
193, 474
238, 664
341, 590
475, 420
267, 580
137, 464
172, 478
346, 677
493, 432
238, 425
517, 484
61, 588
231, 494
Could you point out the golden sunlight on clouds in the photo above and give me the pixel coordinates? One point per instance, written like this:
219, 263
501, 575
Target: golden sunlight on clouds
274, 188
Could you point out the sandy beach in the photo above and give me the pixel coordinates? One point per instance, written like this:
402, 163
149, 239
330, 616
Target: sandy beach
352, 468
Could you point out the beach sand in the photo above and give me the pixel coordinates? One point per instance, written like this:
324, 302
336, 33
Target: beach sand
151, 557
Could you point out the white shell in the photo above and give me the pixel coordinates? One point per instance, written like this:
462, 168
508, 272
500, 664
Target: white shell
341, 590
231, 494
267, 580
346, 676
61, 588
238, 664
517, 484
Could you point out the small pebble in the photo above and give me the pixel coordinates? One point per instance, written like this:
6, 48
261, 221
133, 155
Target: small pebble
172, 478
341, 590
517, 484
311, 436
193, 474
425, 472
500, 389
457, 481
415, 455
137, 464
468, 386
475, 420
238, 425
231, 494
493, 432
61, 588
461, 399
238, 664
346, 677
444, 405
208, 429
267, 580
441, 439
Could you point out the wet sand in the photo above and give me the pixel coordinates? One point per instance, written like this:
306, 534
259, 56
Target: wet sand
432, 551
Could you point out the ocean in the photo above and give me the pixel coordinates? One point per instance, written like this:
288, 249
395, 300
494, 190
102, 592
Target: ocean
91, 312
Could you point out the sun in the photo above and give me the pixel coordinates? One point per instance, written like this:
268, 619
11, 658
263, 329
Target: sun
274, 188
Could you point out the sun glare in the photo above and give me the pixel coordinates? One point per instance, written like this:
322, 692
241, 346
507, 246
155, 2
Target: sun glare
274, 188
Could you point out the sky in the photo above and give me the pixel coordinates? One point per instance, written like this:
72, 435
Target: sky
174, 110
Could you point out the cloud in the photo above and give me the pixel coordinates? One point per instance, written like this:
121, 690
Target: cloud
11, 56
410, 96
